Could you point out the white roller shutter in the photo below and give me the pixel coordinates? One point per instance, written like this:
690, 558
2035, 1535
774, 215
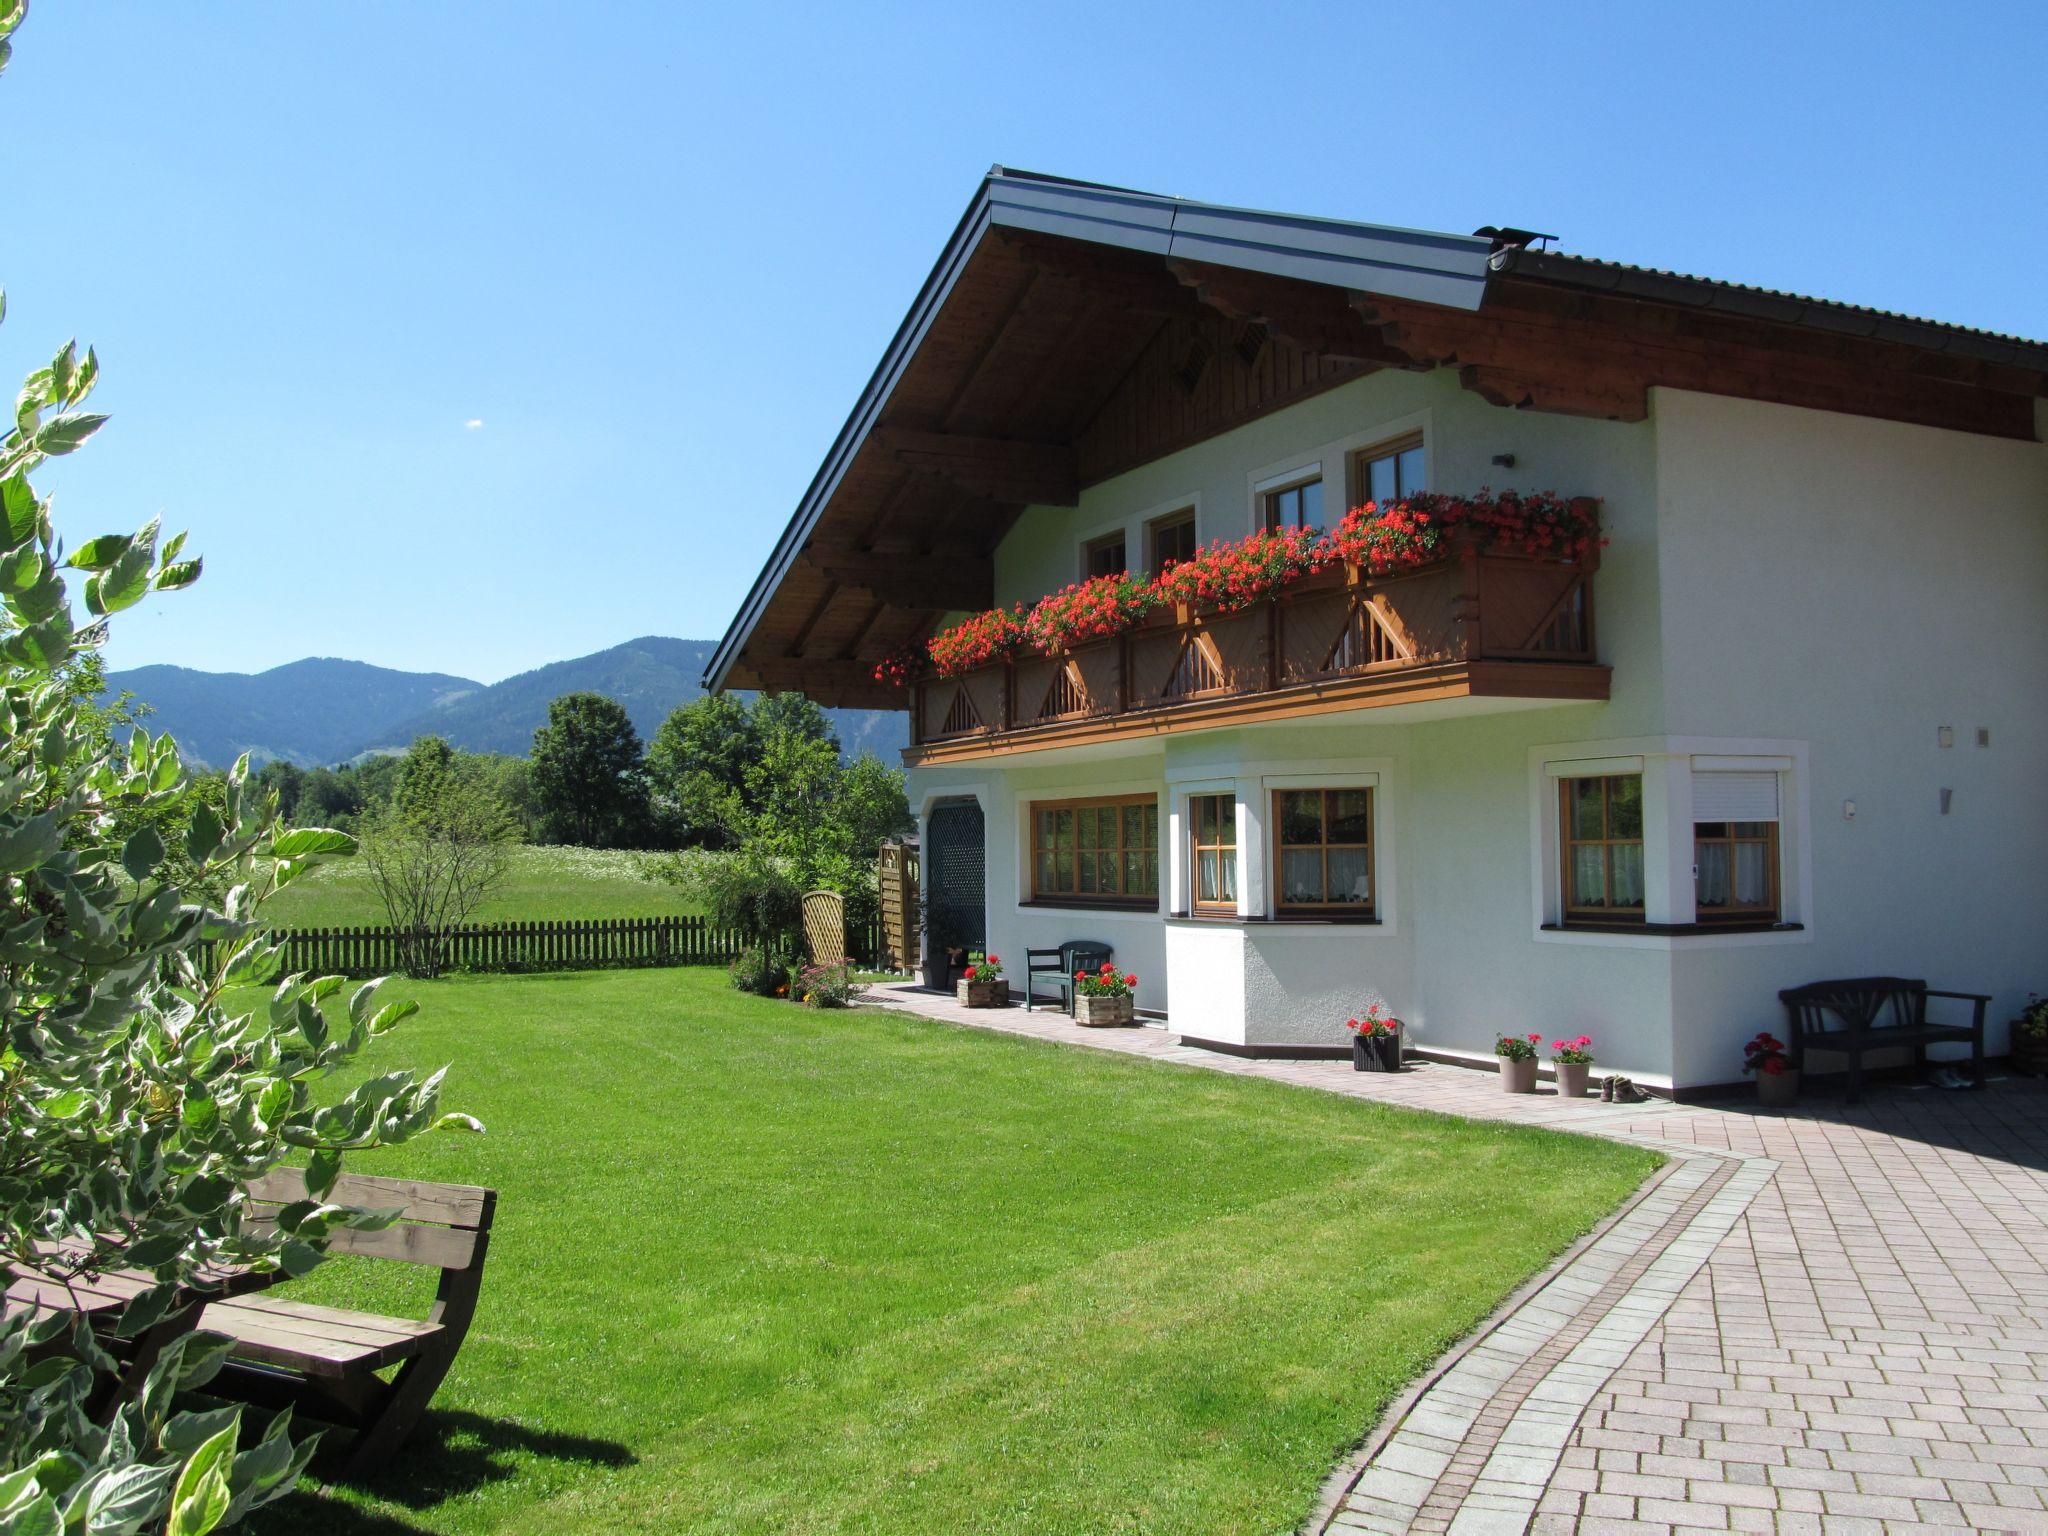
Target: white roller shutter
1727, 796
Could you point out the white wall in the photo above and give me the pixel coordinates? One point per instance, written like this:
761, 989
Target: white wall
1843, 585
1861, 584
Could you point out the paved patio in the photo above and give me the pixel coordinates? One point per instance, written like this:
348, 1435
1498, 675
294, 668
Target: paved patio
1832, 1320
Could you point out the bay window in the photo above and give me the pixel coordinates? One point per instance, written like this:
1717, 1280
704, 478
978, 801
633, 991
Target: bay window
1325, 862
1602, 841
1212, 853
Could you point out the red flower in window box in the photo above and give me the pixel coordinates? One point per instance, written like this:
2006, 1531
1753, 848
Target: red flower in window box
978, 642
1090, 610
1227, 576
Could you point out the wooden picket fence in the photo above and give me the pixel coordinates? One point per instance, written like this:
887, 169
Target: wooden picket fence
589, 944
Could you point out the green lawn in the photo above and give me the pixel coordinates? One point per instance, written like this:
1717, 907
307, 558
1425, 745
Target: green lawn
544, 885
759, 1269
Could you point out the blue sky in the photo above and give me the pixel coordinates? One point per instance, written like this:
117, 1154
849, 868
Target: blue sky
656, 249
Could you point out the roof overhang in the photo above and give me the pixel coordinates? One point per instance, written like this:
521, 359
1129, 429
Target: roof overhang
1448, 270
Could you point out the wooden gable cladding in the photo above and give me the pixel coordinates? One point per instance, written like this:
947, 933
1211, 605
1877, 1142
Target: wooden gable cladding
1194, 380
1542, 348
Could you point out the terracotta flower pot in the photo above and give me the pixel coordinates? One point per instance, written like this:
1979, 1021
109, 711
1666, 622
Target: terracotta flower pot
983, 994
1777, 1090
1105, 1012
1518, 1076
1571, 1078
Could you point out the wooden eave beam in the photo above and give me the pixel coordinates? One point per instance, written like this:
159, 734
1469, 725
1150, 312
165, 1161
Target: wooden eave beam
837, 682
918, 581
1001, 469
1143, 292
1318, 321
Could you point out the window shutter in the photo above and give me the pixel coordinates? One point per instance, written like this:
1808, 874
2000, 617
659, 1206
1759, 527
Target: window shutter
1723, 796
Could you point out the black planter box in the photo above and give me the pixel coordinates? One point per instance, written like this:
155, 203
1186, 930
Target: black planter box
1376, 1053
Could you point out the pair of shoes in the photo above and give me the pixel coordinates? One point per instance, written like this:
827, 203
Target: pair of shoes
1622, 1090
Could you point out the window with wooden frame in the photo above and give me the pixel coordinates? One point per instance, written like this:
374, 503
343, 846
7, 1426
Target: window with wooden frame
1735, 871
1324, 837
1171, 539
1299, 505
1212, 853
1602, 844
1104, 850
1104, 556
1387, 471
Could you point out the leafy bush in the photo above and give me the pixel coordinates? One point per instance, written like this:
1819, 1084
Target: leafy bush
756, 970
135, 1105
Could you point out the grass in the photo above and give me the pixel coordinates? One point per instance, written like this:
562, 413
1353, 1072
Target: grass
761, 1269
544, 885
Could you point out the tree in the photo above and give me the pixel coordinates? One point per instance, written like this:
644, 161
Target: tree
424, 774
285, 780
436, 853
697, 768
136, 1101
588, 774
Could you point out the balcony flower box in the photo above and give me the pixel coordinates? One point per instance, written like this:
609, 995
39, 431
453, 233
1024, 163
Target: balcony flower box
983, 985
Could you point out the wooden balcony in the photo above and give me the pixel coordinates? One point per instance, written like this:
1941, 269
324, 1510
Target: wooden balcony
1477, 625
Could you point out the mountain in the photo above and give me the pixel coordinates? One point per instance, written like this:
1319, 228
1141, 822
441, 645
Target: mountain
321, 711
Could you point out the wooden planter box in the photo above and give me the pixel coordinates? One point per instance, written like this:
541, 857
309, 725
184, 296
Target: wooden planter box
2029, 1052
983, 994
1105, 1012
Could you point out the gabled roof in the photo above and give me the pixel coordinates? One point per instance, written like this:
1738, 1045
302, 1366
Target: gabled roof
1432, 268
1070, 330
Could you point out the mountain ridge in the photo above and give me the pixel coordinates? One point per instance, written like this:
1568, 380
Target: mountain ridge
326, 710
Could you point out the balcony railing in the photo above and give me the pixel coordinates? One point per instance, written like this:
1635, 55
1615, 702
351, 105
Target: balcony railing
1479, 623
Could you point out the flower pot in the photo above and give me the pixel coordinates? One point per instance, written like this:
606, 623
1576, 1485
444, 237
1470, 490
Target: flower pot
983, 994
1571, 1078
1518, 1076
2029, 1052
1376, 1053
1105, 1012
1777, 1090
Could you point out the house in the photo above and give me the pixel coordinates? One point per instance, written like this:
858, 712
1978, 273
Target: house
1782, 720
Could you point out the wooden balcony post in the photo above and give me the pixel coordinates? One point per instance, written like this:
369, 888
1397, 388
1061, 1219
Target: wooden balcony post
1465, 600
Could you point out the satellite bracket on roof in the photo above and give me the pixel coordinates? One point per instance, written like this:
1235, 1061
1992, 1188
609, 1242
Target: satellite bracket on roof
1507, 238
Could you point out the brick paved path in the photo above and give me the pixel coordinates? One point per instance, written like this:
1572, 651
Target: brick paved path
1833, 1320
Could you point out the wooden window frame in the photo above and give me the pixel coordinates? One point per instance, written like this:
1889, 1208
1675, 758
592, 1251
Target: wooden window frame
1197, 849
1104, 541
1077, 897
1268, 498
1359, 482
1368, 908
1568, 844
1773, 909
1185, 516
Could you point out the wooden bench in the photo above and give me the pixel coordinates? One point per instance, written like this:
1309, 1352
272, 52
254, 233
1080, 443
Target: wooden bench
1058, 966
323, 1360
1875, 1013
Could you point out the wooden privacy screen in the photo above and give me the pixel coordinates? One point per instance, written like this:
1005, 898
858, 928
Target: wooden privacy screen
825, 926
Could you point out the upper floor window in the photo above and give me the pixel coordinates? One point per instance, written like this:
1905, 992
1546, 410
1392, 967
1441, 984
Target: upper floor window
1603, 846
1293, 506
1212, 852
1325, 838
1095, 850
1104, 556
1388, 471
1172, 539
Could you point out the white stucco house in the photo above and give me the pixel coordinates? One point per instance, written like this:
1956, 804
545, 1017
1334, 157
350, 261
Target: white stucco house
1787, 723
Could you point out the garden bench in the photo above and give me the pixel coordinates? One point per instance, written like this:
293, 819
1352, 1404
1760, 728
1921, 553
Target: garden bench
323, 1360
1058, 966
1875, 1013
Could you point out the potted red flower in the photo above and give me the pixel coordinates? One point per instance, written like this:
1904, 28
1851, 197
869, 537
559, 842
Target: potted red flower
1777, 1080
1104, 998
1375, 1038
1517, 1055
1572, 1061
982, 984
